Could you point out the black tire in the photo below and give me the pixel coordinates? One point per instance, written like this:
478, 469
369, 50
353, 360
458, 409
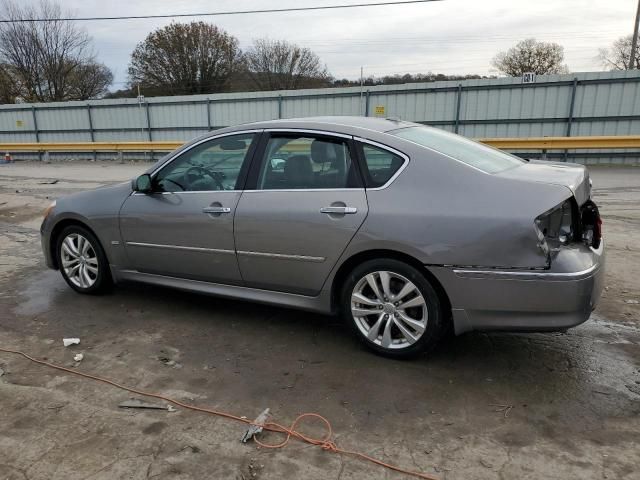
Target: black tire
102, 281
435, 318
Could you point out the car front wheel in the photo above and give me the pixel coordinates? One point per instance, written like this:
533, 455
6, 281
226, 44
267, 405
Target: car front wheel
392, 308
82, 261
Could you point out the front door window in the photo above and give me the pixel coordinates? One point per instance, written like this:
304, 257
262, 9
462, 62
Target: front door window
211, 166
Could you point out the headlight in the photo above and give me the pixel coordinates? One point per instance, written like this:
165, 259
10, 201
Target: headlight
49, 209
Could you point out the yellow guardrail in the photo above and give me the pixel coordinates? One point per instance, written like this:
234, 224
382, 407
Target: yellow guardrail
90, 147
564, 143
532, 143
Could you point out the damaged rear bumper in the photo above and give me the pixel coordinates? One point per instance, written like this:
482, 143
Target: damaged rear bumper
526, 300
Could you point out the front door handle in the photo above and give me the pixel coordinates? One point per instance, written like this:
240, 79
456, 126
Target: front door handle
339, 210
217, 210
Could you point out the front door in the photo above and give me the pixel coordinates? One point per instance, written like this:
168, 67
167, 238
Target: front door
303, 204
184, 228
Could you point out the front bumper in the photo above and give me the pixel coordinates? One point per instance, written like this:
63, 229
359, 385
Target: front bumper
526, 300
45, 242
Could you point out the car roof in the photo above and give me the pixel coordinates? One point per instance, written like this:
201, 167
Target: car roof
350, 125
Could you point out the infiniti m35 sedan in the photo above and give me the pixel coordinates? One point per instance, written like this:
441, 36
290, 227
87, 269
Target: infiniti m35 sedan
406, 231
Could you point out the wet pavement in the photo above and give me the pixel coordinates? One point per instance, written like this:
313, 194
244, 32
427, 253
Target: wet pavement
482, 406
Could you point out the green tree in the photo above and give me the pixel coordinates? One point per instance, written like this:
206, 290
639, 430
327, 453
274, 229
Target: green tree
185, 58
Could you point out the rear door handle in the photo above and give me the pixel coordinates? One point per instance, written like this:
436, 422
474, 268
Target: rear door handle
339, 210
216, 210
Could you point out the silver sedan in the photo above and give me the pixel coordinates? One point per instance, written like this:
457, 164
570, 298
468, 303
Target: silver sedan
408, 232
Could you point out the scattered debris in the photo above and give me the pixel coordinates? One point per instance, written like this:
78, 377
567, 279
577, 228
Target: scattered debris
601, 392
70, 341
1, 372
51, 182
133, 403
255, 429
632, 302
170, 363
191, 448
485, 464
78, 357
506, 409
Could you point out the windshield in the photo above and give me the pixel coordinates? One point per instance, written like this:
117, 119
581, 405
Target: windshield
472, 153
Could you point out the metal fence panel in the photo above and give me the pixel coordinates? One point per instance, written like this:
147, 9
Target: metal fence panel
598, 103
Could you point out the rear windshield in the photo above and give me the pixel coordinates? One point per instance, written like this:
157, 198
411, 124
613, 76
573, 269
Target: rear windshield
472, 153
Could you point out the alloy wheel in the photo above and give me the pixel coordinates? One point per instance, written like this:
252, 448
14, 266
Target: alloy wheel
79, 260
389, 310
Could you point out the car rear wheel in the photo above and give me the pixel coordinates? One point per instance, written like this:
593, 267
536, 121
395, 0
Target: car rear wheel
82, 261
392, 308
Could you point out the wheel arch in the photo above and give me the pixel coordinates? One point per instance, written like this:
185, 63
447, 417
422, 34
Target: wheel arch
58, 228
360, 257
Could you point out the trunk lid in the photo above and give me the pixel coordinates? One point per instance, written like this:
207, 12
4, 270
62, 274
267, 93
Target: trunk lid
571, 175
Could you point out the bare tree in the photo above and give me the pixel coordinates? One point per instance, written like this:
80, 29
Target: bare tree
280, 65
185, 58
46, 59
531, 56
89, 80
10, 90
617, 56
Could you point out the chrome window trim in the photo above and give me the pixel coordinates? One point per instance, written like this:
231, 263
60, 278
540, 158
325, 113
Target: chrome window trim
390, 150
308, 130
200, 142
358, 189
282, 256
187, 192
180, 247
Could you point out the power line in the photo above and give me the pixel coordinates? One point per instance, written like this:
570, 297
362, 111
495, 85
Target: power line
213, 14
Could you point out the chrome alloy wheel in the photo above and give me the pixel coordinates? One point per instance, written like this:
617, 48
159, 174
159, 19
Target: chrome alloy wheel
79, 260
389, 310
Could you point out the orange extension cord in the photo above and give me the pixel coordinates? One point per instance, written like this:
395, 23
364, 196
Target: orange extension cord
325, 443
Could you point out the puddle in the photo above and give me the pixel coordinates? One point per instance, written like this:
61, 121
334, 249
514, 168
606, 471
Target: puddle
40, 293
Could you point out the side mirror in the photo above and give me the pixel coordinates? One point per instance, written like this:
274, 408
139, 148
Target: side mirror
143, 183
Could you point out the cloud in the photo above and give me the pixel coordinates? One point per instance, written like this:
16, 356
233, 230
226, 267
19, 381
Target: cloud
452, 36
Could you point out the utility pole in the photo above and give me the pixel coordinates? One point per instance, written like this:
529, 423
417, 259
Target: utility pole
362, 84
634, 41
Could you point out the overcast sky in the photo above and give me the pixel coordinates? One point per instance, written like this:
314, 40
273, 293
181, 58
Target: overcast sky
451, 36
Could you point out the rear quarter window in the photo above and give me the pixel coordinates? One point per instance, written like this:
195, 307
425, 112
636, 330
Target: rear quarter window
474, 154
380, 165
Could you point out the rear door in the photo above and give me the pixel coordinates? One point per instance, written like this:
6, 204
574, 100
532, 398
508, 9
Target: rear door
184, 228
303, 204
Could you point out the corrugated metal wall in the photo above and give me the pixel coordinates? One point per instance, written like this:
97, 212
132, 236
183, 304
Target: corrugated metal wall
603, 103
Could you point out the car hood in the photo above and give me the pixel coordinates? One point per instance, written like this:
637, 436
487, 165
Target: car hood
571, 175
104, 198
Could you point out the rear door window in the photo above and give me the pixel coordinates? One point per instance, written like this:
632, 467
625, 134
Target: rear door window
304, 162
381, 165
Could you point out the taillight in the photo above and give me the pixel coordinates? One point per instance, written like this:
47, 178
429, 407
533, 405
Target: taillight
591, 224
